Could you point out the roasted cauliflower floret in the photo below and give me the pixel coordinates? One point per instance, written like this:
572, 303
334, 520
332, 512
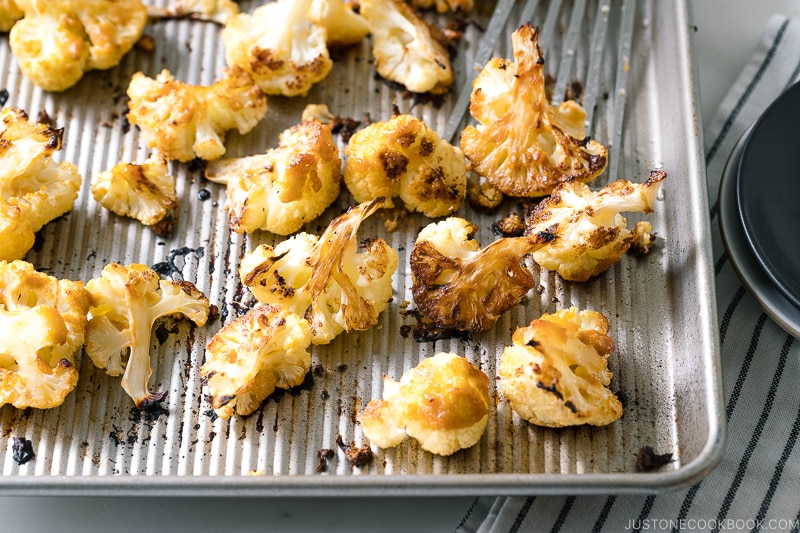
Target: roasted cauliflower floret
592, 234
143, 191
10, 13
459, 285
443, 403
125, 303
443, 6
283, 52
404, 49
286, 187
403, 157
326, 279
185, 121
59, 40
42, 327
343, 26
523, 145
555, 373
34, 189
218, 11
248, 358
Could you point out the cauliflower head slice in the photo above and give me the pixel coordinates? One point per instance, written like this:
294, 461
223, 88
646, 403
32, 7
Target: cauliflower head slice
404, 48
59, 40
403, 157
143, 191
443, 6
522, 144
264, 349
459, 285
344, 26
10, 13
555, 373
326, 279
34, 189
443, 403
218, 11
42, 328
288, 186
278, 46
592, 234
125, 303
184, 121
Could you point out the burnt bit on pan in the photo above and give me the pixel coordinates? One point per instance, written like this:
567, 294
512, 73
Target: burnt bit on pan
345, 127
4, 96
427, 331
163, 228
357, 456
22, 450
647, 459
323, 456
169, 268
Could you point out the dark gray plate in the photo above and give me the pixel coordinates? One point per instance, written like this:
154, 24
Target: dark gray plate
768, 192
741, 256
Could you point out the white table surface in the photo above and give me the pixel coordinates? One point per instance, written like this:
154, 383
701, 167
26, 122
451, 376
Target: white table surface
727, 31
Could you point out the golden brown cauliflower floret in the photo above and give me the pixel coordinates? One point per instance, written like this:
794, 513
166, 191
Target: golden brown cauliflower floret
326, 279
42, 327
555, 373
343, 26
286, 187
185, 121
218, 11
404, 48
247, 359
523, 145
459, 285
143, 191
283, 52
442, 6
34, 189
403, 157
10, 13
59, 40
443, 403
592, 234
125, 303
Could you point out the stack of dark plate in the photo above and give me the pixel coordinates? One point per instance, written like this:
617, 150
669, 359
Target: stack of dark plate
759, 208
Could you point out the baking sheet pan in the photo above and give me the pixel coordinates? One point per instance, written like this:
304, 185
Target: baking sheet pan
632, 61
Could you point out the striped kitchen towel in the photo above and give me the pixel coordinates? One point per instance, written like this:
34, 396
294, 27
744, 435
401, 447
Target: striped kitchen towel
756, 486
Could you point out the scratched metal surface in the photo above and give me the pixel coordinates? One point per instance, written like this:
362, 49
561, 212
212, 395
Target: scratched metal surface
633, 60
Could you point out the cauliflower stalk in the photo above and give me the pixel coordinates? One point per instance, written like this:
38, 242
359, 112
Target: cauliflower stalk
248, 358
344, 27
288, 186
278, 46
592, 233
404, 157
58, 40
42, 327
459, 285
125, 303
326, 280
523, 145
555, 373
143, 191
404, 48
443, 403
34, 189
185, 121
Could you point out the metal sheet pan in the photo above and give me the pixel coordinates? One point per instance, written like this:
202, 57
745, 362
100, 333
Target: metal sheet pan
634, 61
